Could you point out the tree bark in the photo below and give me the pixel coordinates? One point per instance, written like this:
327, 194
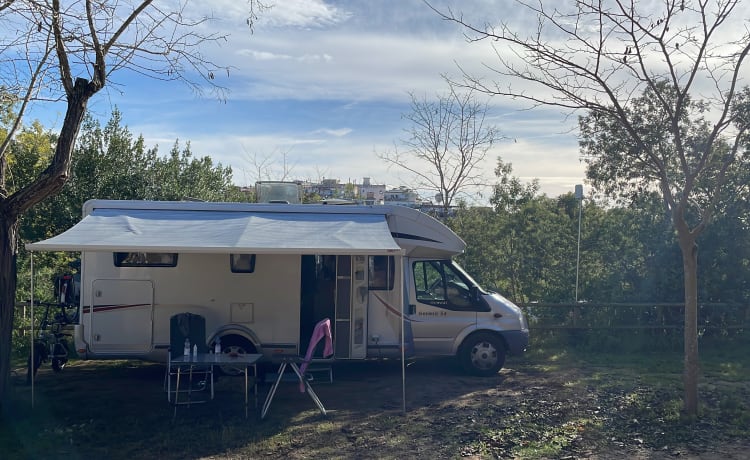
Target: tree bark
52, 179
692, 367
49, 182
8, 242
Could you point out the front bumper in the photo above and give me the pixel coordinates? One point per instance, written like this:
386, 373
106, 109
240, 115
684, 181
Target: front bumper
517, 341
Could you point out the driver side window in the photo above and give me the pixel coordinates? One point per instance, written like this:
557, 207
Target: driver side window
438, 284
428, 278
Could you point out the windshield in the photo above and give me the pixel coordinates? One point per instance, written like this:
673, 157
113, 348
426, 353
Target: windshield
466, 276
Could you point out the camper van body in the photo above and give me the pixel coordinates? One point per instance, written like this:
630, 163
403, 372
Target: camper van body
262, 275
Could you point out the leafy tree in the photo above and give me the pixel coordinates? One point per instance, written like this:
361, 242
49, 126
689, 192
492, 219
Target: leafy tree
483, 257
524, 247
510, 194
57, 53
111, 163
661, 276
595, 56
180, 176
724, 248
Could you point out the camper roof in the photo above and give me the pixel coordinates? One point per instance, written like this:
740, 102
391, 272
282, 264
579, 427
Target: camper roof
160, 226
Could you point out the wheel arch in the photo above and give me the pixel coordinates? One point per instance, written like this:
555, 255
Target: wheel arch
237, 330
469, 333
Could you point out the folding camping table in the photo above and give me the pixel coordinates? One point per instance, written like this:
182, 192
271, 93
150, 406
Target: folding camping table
222, 359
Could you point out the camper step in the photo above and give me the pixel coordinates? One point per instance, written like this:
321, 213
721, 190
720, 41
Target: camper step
320, 372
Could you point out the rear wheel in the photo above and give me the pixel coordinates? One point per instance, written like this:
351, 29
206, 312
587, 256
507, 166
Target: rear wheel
235, 344
60, 356
482, 354
58, 364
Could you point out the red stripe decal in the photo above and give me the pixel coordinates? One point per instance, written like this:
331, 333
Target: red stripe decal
98, 308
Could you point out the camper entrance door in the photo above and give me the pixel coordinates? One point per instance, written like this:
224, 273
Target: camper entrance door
328, 284
122, 318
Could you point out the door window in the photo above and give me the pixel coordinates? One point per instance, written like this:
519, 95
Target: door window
381, 272
438, 283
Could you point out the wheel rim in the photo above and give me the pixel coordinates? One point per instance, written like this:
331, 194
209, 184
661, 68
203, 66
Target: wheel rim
232, 370
484, 356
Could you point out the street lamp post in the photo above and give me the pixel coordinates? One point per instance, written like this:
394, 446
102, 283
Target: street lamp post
579, 197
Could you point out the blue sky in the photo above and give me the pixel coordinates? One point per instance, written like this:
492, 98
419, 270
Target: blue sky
323, 85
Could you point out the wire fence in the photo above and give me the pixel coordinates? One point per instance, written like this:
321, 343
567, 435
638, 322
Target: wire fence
645, 316
631, 326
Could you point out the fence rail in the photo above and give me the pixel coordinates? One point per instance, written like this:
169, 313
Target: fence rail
632, 316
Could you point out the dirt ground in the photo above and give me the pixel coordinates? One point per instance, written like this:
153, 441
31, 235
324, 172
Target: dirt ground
580, 413
523, 412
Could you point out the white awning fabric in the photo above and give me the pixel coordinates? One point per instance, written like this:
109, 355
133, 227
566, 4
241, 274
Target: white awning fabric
200, 231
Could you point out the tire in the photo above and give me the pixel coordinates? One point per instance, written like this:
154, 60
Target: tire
482, 354
235, 344
58, 364
60, 357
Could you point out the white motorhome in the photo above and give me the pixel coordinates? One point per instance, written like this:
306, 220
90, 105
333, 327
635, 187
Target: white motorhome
262, 276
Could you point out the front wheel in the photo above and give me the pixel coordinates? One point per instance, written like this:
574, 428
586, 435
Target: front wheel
482, 354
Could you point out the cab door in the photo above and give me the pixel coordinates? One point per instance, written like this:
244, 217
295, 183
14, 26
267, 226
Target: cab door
441, 306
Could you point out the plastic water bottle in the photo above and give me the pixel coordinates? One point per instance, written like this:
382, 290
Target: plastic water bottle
217, 346
186, 351
195, 350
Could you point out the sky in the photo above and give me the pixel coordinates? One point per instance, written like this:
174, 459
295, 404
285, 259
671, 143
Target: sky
319, 89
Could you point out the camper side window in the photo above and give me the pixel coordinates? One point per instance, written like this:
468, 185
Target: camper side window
381, 272
242, 263
145, 259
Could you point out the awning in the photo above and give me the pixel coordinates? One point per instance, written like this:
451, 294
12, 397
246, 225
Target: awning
201, 231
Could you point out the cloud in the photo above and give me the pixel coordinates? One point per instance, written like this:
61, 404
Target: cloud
341, 132
302, 14
270, 56
264, 55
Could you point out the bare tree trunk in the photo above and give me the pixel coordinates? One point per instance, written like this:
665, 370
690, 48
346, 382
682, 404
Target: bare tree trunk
52, 179
690, 267
8, 241
49, 182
